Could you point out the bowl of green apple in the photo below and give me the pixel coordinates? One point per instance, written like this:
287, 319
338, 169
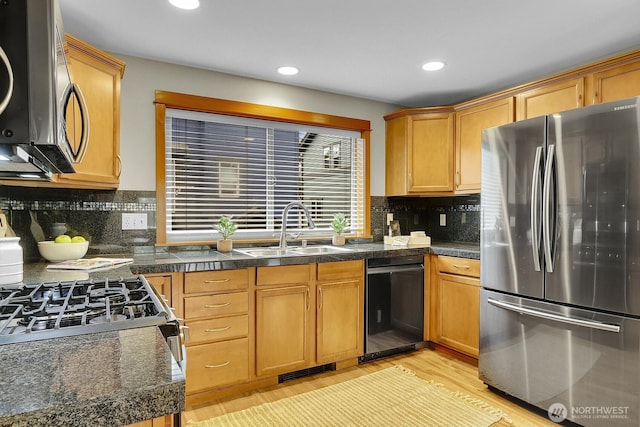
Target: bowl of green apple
63, 248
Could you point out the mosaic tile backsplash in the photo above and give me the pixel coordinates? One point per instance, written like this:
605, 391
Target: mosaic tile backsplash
97, 214
462, 217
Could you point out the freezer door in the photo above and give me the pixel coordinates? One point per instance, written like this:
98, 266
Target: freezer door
575, 363
511, 199
597, 200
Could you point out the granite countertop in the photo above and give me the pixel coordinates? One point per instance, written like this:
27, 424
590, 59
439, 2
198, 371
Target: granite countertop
103, 379
122, 377
198, 259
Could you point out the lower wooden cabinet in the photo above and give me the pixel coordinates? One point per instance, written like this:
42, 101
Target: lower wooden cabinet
340, 313
283, 316
455, 306
217, 364
216, 308
310, 323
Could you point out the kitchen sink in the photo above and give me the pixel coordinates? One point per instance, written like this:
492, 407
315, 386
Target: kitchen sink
293, 250
258, 252
317, 250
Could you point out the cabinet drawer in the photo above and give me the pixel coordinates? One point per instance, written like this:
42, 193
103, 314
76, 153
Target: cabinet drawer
213, 281
216, 305
284, 274
340, 270
217, 364
460, 266
219, 329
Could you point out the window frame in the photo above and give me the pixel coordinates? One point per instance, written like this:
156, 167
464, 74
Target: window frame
180, 101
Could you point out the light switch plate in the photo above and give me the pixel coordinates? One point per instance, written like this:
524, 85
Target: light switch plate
134, 221
389, 218
443, 220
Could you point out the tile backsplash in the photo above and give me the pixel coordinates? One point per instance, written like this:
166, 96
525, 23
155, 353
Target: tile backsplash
98, 215
461, 217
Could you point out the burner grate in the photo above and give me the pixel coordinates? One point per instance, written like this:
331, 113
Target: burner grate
41, 310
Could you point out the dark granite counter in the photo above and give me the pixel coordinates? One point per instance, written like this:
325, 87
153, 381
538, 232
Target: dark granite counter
187, 260
103, 379
116, 378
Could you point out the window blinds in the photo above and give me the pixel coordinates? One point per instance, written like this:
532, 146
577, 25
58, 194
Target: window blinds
250, 169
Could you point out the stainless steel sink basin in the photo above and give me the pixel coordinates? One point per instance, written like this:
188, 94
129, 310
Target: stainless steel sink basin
293, 250
317, 250
258, 252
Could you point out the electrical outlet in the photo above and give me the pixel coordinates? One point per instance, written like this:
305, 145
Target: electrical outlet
389, 218
134, 221
463, 218
443, 220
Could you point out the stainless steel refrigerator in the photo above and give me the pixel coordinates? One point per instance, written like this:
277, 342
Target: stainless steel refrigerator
560, 263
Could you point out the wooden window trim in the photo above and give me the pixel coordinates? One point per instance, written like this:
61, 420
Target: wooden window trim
180, 101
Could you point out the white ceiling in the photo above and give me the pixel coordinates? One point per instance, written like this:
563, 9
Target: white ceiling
371, 49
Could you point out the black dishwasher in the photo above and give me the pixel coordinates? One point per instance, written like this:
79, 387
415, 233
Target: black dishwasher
394, 305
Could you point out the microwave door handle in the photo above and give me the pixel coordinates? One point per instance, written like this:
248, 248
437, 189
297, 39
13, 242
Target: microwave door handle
546, 208
535, 203
74, 90
7, 98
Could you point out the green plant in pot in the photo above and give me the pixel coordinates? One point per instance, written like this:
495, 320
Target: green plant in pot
339, 224
226, 228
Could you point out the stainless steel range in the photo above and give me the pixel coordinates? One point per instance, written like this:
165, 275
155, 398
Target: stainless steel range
58, 309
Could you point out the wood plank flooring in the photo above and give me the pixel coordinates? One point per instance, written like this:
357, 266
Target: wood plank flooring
453, 373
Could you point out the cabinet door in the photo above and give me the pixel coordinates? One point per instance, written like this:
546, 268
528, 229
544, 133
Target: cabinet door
396, 156
340, 317
162, 284
98, 76
550, 99
430, 155
617, 83
468, 143
283, 329
459, 313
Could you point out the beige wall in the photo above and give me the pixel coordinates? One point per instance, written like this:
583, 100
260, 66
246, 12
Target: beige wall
143, 77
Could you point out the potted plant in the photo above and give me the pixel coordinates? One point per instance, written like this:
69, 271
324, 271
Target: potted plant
226, 228
338, 225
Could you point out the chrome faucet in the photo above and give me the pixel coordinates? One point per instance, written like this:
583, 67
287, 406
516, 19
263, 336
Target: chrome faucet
285, 211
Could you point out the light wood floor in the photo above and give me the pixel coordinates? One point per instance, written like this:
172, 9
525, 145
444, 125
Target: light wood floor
428, 364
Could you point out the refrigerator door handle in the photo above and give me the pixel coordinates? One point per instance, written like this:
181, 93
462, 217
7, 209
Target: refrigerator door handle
535, 202
555, 317
546, 226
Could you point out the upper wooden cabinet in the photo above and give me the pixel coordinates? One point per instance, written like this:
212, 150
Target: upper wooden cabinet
98, 75
615, 83
468, 140
549, 99
419, 152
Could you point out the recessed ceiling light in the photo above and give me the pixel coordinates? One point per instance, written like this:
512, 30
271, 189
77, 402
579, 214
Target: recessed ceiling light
185, 4
433, 66
288, 71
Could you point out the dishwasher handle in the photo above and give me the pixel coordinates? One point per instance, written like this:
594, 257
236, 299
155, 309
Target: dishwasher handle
395, 269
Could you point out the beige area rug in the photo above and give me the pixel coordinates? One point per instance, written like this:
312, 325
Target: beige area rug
391, 397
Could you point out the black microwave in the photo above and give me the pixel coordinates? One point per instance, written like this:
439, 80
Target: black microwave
36, 93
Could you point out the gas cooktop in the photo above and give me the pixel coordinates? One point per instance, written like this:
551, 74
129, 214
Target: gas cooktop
50, 310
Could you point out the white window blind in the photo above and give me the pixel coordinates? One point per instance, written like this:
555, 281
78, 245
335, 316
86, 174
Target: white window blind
249, 169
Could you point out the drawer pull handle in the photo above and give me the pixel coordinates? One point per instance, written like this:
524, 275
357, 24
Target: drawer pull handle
464, 267
226, 328
216, 305
217, 281
222, 365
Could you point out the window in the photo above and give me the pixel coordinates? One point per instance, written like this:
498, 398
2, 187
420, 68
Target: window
249, 167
